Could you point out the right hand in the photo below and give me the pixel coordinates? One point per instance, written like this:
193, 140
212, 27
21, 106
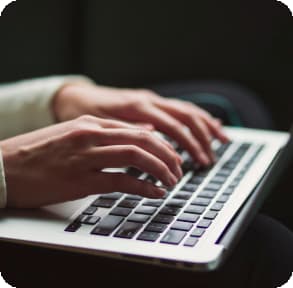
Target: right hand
65, 161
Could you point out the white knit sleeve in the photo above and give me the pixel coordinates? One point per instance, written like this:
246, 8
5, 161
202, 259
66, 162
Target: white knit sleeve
3, 196
26, 105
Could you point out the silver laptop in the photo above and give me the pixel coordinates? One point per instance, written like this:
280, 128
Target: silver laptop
195, 226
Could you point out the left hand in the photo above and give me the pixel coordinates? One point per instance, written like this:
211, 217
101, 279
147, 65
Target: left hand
169, 116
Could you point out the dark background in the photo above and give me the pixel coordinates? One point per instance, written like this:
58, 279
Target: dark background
141, 43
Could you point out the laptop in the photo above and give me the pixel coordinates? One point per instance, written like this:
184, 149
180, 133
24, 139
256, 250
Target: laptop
195, 226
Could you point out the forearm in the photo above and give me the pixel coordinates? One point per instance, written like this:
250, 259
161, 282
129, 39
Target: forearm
26, 105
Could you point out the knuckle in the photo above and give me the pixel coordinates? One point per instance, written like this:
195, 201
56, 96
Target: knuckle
86, 118
144, 136
80, 133
162, 168
147, 93
134, 100
178, 127
132, 152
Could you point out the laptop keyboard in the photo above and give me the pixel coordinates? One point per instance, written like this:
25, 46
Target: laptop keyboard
186, 211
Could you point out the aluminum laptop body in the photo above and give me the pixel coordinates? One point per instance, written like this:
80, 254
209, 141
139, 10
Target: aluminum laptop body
263, 158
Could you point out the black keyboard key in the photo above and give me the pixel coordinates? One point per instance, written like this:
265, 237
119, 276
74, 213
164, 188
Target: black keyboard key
148, 210
245, 146
91, 220
80, 218
211, 215
191, 242
73, 227
213, 186
217, 207
134, 172
128, 230
188, 217
194, 209
170, 210
182, 226
133, 197
120, 211
201, 201
167, 193
223, 199
148, 236
105, 203
238, 178
140, 218
173, 237
188, 165
228, 191
189, 187
107, 225
162, 218
223, 172
113, 196
203, 172
219, 179
176, 203
207, 194
156, 227
151, 179
128, 203
204, 223
182, 195
196, 179
153, 203
90, 210
222, 149
234, 183
229, 165
197, 232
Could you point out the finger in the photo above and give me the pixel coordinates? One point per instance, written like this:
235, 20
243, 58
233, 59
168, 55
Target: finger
172, 127
146, 141
147, 126
133, 156
116, 124
215, 126
112, 182
190, 118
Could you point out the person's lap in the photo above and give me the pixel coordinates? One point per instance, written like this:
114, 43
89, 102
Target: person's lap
263, 258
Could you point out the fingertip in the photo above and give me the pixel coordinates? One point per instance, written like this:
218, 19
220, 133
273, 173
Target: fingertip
204, 159
147, 126
156, 193
224, 138
160, 193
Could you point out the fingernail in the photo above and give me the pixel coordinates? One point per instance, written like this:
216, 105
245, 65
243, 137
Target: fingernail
180, 172
148, 126
204, 159
180, 160
160, 193
172, 180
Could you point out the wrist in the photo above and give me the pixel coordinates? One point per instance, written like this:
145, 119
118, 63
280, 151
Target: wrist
64, 100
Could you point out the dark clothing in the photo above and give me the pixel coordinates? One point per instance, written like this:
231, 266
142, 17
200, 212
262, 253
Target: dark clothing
263, 258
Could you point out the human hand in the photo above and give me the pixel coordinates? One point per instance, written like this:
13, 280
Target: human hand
65, 162
169, 116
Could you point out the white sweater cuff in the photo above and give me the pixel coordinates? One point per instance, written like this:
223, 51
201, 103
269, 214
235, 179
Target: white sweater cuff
3, 192
26, 105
